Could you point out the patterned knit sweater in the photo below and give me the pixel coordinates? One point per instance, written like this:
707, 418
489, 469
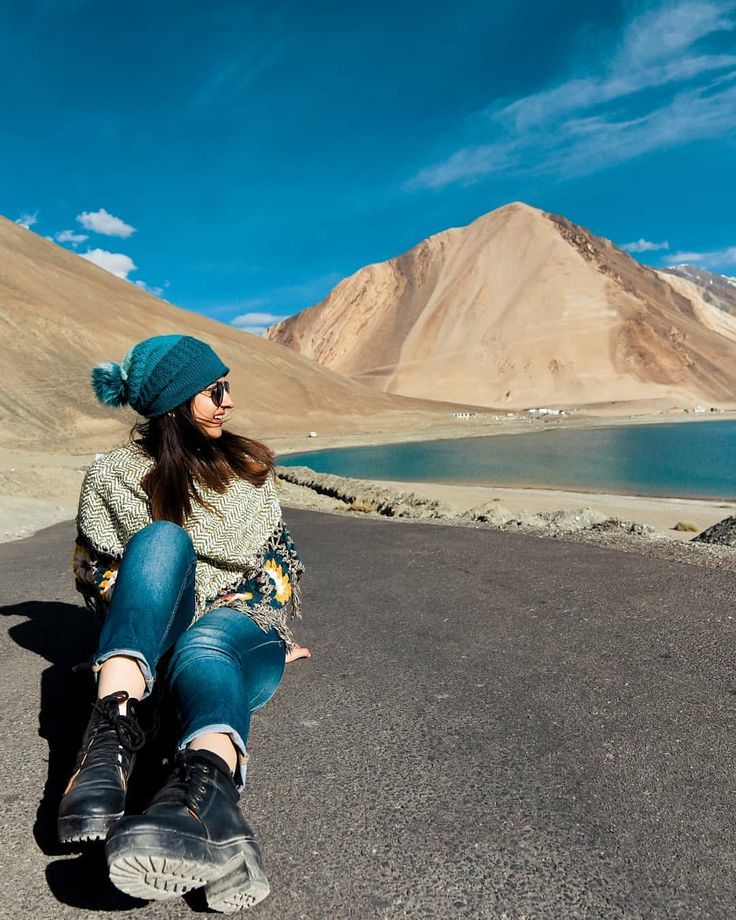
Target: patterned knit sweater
246, 558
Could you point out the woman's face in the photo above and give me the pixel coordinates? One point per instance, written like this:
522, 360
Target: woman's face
207, 415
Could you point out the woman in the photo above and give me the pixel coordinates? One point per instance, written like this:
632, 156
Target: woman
182, 551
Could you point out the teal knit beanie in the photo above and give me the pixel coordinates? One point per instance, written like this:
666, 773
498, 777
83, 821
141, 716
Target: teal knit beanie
158, 374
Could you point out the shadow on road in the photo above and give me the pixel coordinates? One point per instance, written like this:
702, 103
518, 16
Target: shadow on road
65, 635
82, 882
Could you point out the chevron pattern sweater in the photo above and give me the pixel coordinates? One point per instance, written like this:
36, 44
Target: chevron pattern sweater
245, 556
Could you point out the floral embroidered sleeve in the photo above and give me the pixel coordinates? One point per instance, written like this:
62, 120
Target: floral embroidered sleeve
94, 576
273, 590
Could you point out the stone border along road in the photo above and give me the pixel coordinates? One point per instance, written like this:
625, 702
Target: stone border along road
492, 726
345, 495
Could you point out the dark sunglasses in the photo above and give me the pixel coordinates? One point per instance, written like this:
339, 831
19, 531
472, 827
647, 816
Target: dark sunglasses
217, 392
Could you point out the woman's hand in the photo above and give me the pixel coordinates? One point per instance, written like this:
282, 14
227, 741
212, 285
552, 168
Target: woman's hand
299, 651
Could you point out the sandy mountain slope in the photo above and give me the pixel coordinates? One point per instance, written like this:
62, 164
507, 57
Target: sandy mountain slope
714, 289
520, 308
59, 315
711, 311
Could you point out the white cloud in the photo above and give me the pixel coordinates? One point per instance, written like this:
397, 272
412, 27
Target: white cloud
658, 86
260, 319
255, 322
116, 262
105, 223
27, 219
693, 115
645, 246
69, 236
716, 260
156, 290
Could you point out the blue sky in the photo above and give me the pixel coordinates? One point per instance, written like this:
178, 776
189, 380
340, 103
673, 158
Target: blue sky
240, 158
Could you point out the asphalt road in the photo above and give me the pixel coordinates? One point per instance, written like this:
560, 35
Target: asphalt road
492, 726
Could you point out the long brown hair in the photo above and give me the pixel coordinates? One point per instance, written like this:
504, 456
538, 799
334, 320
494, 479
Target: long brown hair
186, 457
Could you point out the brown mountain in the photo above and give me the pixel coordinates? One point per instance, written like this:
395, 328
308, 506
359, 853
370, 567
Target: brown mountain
59, 315
520, 308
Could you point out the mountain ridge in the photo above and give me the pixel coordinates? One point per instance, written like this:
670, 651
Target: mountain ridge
465, 313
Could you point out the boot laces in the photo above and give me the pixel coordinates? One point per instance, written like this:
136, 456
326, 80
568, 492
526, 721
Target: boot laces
112, 734
187, 783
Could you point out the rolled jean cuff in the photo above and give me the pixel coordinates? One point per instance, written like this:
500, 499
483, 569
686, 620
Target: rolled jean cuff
128, 653
222, 729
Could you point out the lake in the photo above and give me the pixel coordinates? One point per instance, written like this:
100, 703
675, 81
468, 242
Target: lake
685, 460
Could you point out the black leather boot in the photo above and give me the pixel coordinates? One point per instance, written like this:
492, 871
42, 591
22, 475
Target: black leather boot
94, 798
192, 835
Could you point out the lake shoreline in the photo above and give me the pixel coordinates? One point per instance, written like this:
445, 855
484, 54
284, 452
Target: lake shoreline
664, 463
482, 427
40, 488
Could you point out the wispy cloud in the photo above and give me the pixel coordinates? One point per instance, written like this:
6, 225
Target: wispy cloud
656, 49
231, 76
467, 165
664, 82
115, 262
255, 323
105, 223
69, 236
717, 259
27, 219
157, 290
644, 246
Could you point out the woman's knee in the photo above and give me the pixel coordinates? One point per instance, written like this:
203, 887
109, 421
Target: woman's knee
227, 632
164, 533
229, 641
162, 544
163, 530
205, 645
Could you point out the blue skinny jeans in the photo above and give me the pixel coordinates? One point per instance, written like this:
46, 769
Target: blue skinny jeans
222, 668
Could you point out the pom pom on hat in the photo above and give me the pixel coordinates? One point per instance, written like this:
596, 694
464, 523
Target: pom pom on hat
158, 374
109, 384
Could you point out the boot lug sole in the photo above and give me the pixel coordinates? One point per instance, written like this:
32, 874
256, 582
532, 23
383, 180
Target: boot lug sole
83, 829
241, 884
156, 877
152, 872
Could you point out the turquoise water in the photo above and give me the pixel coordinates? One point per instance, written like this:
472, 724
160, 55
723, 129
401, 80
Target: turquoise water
696, 460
